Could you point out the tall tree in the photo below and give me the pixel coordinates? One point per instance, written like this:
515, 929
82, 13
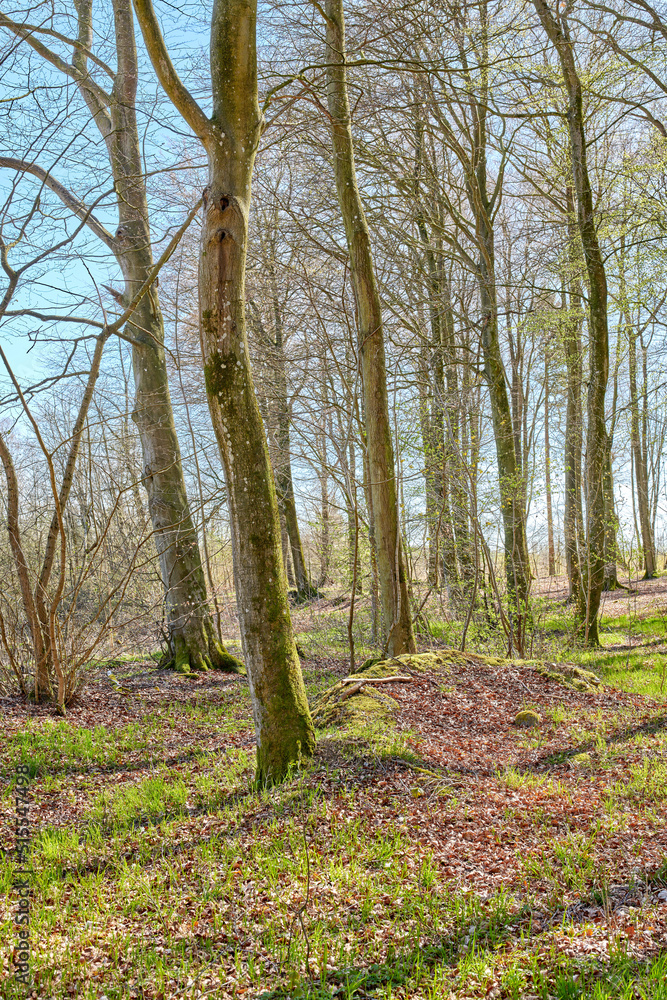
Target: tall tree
193, 642
381, 468
283, 727
557, 30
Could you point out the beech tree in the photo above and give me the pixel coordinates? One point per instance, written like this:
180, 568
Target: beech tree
557, 30
283, 726
396, 609
193, 642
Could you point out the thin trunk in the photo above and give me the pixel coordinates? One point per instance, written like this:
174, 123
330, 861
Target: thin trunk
611, 522
353, 519
192, 639
573, 442
39, 638
374, 583
596, 439
547, 471
433, 499
282, 465
391, 563
455, 413
638, 442
325, 536
510, 480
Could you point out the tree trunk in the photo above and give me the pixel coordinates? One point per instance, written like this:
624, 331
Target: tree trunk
517, 570
573, 516
433, 496
611, 524
459, 486
596, 438
547, 471
640, 460
325, 535
192, 639
390, 559
283, 727
282, 465
39, 638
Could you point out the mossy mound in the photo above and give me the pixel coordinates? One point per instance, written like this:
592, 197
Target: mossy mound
372, 704
342, 705
565, 673
369, 705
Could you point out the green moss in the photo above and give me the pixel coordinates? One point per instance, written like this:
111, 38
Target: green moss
219, 374
527, 719
564, 673
222, 660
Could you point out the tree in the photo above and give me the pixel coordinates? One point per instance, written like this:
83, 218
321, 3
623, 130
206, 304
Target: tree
191, 635
396, 609
557, 31
283, 726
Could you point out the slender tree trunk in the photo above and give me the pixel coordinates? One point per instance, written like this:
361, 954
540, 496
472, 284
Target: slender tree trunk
374, 582
547, 471
596, 438
433, 499
391, 563
39, 639
611, 523
325, 507
510, 479
517, 570
282, 465
192, 639
639, 459
459, 486
573, 516
352, 519
283, 727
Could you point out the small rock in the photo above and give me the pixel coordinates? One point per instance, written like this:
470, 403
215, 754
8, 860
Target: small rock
527, 719
662, 895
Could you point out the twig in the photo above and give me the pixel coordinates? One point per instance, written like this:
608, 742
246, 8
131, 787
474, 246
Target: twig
399, 679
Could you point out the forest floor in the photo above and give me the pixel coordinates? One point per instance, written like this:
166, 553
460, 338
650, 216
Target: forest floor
448, 854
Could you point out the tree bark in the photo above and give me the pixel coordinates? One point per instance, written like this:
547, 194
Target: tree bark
573, 516
383, 488
547, 471
283, 726
283, 456
596, 436
637, 440
192, 638
42, 686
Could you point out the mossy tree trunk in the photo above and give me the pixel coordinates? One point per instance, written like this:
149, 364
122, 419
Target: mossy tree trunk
382, 476
283, 727
194, 644
192, 637
557, 31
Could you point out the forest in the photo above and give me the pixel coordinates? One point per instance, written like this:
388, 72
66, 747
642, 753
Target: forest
333, 510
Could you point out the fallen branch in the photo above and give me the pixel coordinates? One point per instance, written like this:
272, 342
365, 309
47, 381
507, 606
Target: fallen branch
377, 680
359, 683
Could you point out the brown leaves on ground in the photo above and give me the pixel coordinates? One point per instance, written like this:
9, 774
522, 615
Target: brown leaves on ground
369, 846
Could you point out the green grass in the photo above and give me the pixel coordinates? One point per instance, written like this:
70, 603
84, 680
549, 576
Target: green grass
60, 746
171, 874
